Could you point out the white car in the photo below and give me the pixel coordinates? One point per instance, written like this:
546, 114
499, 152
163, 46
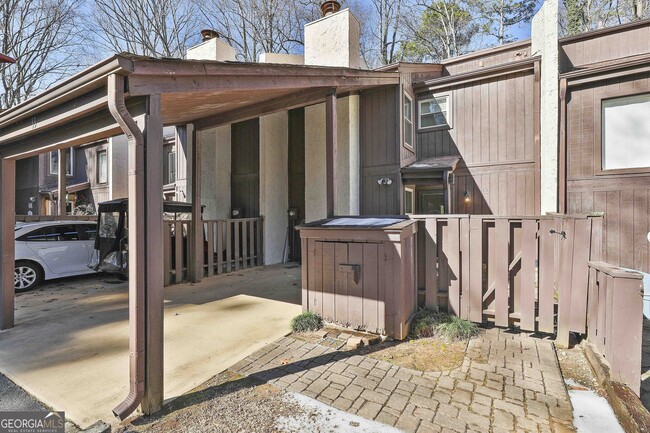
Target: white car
52, 249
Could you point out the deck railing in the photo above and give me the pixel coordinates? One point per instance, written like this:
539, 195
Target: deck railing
229, 245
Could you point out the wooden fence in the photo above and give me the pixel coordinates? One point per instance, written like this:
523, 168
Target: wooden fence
229, 245
615, 324
526, 271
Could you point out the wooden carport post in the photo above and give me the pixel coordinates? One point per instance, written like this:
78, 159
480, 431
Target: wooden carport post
153, 147
331, 152
146, 296
7, 223
63, 164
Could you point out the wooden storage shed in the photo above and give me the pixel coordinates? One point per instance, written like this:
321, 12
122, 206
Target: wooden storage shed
361, 272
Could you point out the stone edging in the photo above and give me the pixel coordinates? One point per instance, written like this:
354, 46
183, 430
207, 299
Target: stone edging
629, 410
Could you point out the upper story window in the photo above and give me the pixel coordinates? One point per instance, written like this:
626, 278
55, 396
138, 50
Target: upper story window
408, 120
69, 163
102, 166
171, 172
435, 112
626, 132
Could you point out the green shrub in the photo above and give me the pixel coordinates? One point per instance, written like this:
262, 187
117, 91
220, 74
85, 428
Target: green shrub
428, 323
306, 321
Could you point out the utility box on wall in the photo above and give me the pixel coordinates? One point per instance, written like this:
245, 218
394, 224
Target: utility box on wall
361, 272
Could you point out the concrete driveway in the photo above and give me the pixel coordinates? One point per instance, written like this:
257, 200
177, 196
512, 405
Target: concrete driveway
70, 345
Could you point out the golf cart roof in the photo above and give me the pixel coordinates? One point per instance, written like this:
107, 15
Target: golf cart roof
122, 205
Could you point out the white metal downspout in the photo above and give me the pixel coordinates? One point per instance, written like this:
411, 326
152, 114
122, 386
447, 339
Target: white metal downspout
117, 108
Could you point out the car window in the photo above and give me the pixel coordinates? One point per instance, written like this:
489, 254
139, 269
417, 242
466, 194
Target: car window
88, 231
52, 233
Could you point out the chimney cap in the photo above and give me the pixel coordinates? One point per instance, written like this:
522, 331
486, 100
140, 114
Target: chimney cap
6, 59
207, 34
329, 7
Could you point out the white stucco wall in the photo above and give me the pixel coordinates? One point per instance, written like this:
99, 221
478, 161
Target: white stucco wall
315, 167
544, 35
279, 58
222, 172
182, 164
212, 49
354, 160
215, 172
333, 40
347, 202
274, 183
118, 153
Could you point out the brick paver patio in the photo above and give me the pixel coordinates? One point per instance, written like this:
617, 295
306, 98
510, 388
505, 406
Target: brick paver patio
507, 382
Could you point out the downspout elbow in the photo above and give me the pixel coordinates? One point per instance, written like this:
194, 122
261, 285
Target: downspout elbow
131, 402
117, 108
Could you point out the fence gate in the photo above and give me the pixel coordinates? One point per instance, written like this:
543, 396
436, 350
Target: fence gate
531, 272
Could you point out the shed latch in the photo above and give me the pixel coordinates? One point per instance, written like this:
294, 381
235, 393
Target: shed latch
555, 232
355, 270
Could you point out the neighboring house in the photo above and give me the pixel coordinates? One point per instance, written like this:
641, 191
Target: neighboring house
96, 172
37, 180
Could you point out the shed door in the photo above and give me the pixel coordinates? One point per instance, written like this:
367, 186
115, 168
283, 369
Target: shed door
351, 289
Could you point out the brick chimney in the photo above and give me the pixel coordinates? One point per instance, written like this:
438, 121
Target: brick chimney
212, 47
333, 40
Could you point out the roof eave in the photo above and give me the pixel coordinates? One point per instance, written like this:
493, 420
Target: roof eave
76, 85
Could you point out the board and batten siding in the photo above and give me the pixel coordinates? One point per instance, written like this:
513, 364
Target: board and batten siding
486, 58
624, 198
613, 43
493, 131
380, 151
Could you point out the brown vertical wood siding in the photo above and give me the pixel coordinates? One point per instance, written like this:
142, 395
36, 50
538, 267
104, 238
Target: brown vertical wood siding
486, 58
380, 151
493, 131
624, 198
608, 44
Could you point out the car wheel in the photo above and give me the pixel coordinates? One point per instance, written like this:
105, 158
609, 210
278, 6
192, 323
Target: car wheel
27, 275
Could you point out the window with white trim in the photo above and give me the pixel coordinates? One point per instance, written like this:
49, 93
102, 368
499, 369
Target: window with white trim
435, 112
102, 166
626, 132
69, 162
409, 195
171, 167
408, 120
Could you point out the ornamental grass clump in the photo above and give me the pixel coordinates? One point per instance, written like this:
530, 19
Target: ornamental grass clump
306, 322
428, 323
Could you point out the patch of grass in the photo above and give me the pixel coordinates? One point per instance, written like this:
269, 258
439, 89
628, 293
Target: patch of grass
306, 322
428, 323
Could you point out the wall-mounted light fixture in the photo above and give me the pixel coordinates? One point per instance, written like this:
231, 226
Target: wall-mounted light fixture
385, 181
237, 212
467, 197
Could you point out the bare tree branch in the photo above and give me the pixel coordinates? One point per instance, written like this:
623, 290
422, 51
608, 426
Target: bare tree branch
40, 35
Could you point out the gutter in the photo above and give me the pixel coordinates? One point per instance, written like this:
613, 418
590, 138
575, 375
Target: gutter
117, 107
77, 84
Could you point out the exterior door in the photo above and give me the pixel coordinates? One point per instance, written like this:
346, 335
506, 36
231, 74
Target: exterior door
61, 248
430, 201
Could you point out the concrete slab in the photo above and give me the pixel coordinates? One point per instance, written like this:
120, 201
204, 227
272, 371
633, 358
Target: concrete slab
69, 348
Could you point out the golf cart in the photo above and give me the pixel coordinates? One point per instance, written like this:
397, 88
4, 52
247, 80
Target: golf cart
111, 242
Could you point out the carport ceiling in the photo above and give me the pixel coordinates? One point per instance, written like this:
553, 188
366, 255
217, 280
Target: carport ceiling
207, 93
